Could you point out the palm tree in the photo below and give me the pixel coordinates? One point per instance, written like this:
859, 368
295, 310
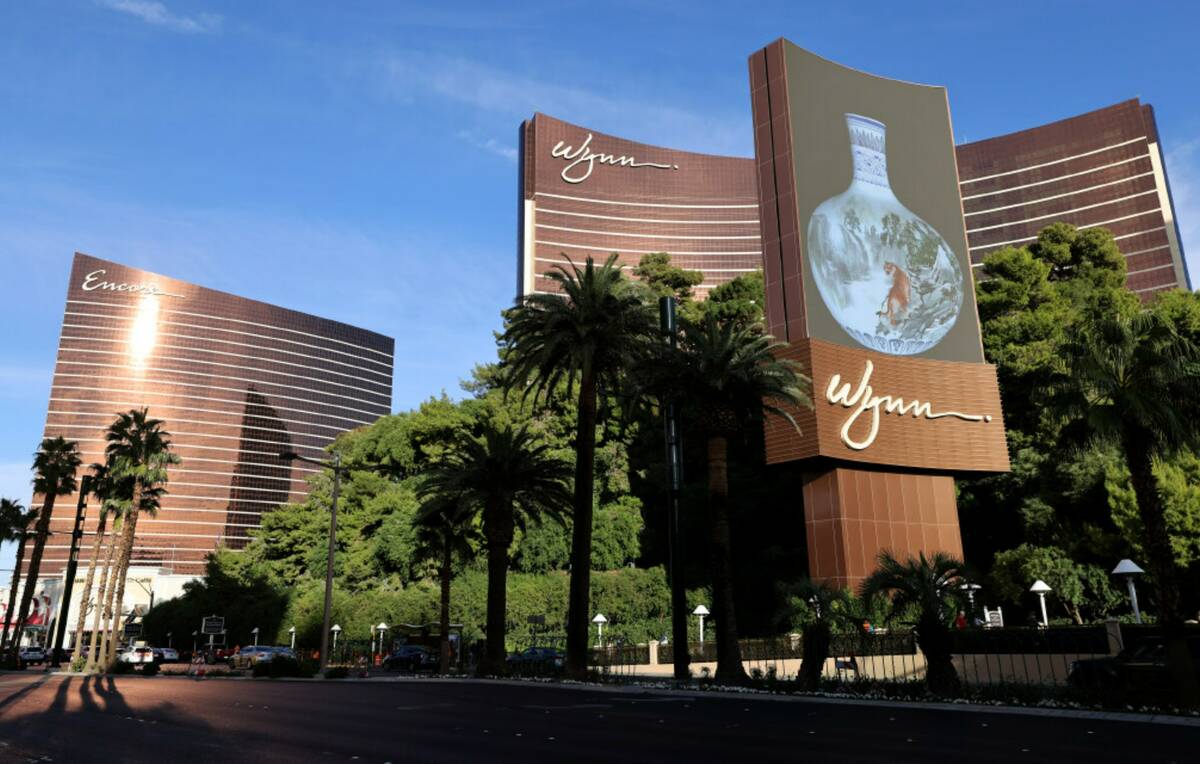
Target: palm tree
930, 586
14, 525
445, 530
138, 449
508, 476
725, 376
820, 606
54, 467
1133, 381
103, 488
592, 329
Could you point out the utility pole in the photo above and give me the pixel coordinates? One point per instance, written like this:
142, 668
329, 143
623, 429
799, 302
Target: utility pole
674, 445
64, 605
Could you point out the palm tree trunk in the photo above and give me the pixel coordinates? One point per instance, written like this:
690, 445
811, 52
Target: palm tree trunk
99, 641
816, 651
85, 597
578, 617
122, 574
499, 532
35, 563
729, 655
12, 591
445, 573
1161, 562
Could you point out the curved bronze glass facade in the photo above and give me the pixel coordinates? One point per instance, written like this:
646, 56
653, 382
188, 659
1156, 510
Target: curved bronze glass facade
585, 194
236, 381
1104, 168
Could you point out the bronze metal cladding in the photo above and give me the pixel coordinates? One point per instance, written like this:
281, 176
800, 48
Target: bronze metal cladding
236, 382
1104, 168
585, 194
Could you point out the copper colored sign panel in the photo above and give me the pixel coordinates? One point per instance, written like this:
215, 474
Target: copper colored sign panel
883, 409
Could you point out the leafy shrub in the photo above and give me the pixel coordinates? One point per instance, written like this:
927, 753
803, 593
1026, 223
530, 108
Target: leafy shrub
79, 663
281, 667
337, 672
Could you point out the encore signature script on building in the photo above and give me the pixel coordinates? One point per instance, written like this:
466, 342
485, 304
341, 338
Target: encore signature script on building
864, 399
93, 281
581, 161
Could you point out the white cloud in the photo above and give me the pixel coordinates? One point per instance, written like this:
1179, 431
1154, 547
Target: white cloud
488, 89
1183, 169
156, 14
490, 144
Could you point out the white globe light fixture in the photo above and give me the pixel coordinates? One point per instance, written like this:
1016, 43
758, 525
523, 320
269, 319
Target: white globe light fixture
700, 612
254, 631
1129, 569
1041, 588
335, 630
292, 632
599, 620
381, 628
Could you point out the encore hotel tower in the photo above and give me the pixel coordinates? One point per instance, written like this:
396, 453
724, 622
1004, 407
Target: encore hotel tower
236, 381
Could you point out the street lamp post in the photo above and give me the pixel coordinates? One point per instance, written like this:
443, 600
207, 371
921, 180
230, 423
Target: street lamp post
335, 630
599, 620
169, 634
195, 636
292, 633
254, 631
970, 589
382, 629
336, 466
1129, 569
700, 612
1041, 588
674, 465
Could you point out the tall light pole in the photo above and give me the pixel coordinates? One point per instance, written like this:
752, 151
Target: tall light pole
254, 631
292, 632
336, 466
336, 630
1129, 569
382, 629
666, 316
1041, 588
700, 612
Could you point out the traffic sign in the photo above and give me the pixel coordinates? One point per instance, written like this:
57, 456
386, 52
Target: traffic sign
133, 629
213, 624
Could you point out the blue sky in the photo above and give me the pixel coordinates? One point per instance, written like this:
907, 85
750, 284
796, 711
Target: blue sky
356, 160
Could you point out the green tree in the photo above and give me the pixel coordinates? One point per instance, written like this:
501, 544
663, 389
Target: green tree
591, 329
740, 300
725, 377
14, 526
507, 476
819, 608
54, 467
445, 530
1177, 477
1134, 383
1082, 588
930, 588
138, 449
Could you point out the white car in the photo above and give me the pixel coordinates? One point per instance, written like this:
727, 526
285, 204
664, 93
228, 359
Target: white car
137, 655
33, 654
166, 654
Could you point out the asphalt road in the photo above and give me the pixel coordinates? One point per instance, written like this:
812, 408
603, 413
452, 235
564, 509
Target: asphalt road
168, 719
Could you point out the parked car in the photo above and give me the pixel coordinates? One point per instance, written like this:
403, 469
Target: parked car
137, 655
410, 658
536, 660
165, 654
1140, 669
33, 654
247, 657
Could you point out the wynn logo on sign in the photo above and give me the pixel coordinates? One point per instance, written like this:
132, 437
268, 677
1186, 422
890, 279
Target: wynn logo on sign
581, 161
93, 281
864, 399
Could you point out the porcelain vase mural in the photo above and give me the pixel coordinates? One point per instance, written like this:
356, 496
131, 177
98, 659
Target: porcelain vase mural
887, 276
